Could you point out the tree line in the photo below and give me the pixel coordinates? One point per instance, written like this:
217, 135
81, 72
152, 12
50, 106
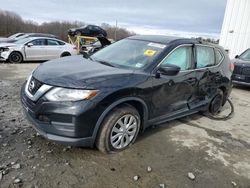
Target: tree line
11, 23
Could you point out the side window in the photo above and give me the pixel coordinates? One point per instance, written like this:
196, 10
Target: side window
90, 27
97, 28
39, 42
61, 43
218, 56
181, 57
53, 43
205, 56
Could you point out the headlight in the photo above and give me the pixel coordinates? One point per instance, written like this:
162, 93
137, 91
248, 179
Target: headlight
4, 49
63, 94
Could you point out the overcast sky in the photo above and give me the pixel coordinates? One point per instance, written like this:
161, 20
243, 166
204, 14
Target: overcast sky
175, 17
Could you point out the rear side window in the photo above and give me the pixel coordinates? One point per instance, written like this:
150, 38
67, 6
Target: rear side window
205, 56
53, 43
181, 57
219, 56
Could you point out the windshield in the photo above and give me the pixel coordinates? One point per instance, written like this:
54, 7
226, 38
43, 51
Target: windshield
129, 53
22, 41
245, 55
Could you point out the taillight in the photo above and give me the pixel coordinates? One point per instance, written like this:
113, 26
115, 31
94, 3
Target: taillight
231, 67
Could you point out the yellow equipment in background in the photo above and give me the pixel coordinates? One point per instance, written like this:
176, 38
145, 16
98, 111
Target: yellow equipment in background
78, 41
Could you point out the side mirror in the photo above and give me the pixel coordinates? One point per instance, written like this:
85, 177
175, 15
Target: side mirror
30, 44
237, 56
170, 70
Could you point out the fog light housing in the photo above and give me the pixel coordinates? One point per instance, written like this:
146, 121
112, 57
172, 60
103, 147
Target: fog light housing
43, 118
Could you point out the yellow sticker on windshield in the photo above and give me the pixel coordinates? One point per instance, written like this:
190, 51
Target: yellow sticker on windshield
149, 53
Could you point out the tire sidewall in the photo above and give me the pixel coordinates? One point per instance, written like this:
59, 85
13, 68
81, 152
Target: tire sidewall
15, 54
110, 122
218, 94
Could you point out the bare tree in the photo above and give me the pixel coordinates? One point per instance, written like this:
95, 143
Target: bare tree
12, 23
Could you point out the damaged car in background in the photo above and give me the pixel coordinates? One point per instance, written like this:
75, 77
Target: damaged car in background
89, 49
241, 74
88, 30
119, 91
35, 49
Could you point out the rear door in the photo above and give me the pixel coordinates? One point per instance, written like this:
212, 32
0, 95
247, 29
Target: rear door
172, 94
54, 48
37, 51
208, 73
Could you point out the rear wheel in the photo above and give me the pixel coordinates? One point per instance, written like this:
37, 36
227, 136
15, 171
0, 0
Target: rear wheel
64, 54
119, 129
216, 103
15, 57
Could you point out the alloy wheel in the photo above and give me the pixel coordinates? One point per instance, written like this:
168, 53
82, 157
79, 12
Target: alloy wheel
124, 131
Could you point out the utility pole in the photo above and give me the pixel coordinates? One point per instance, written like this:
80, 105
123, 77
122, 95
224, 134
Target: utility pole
115, 28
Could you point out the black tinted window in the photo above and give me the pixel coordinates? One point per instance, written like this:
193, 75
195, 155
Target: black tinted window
205, 56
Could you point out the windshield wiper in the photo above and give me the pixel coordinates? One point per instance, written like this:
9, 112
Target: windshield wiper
105, 63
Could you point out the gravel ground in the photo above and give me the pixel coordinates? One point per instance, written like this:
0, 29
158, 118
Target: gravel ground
190, 152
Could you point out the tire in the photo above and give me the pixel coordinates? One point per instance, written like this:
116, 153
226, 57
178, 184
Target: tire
112, 136
64, 54
216, 103
15, 57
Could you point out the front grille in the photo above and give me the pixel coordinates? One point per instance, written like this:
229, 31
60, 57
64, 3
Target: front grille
34, 85
246, 71
237, 69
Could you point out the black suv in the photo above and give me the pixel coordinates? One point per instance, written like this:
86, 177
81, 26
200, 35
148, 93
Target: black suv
89, 30
241, 74
106, 100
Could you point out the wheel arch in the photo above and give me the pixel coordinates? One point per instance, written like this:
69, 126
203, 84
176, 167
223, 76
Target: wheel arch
23, 56
65, 53
225, 93
136, 102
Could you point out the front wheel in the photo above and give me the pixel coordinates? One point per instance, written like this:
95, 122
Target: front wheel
15, 57
119, 129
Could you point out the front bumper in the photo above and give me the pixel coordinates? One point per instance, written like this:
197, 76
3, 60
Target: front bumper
241, 79
40, 128
4, 56
70, 123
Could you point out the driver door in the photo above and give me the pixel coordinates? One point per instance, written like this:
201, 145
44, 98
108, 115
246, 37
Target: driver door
36, 51
171, 94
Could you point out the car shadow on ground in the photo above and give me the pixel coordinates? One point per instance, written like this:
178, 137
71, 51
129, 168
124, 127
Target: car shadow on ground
24, 62
243, 87
154, 129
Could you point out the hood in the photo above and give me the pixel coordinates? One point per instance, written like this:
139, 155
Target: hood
7, 44
77, 72
241, 62
72, 29
7, 40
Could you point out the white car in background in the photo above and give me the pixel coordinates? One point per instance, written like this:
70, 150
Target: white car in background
35, 49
